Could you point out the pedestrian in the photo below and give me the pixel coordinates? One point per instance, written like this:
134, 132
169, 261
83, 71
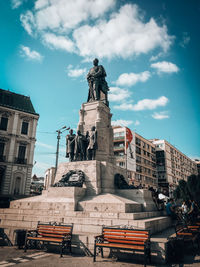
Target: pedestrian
170, 209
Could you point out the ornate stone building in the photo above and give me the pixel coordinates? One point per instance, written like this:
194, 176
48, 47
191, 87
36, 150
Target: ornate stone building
18, 122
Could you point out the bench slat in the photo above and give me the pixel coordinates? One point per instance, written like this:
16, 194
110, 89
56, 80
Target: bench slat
58, 240
124, 241
113, 245
126, 231
125, 235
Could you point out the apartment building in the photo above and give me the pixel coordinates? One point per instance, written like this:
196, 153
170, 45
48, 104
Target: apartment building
172, 165
137, 155
198, 166
18, 122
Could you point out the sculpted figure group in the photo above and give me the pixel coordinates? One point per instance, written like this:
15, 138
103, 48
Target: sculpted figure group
80, 146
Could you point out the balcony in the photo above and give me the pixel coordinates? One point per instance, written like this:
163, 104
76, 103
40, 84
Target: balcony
20, 161
119, 148
117, 138
2, 158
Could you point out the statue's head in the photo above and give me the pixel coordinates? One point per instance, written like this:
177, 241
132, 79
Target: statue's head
71, 131
93, 128
79, 132
95, 62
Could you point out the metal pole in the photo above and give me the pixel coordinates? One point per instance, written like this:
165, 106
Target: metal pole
57, 150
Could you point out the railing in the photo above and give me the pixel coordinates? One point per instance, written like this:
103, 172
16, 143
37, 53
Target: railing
20, 161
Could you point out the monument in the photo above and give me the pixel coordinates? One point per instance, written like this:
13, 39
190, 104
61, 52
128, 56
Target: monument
87, 190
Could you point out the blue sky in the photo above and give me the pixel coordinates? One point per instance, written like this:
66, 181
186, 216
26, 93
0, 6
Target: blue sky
149, 48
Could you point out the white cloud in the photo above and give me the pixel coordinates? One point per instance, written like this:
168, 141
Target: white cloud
58, 42
137, 123
16, 3
84, 28
165, 66
75, 72
151, 103
160, 115
121, 123
124, 35
185, 40
62, 15
124, 106
154, 58
118, 94
129, 79
28, 22
30, 54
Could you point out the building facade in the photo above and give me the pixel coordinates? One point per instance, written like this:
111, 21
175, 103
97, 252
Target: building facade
137, 155
172, 165
198, 166
18, 122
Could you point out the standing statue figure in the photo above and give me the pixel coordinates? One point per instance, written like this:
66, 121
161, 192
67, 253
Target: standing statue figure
79, 146
92, 147
70, 144
97, 83
86, 141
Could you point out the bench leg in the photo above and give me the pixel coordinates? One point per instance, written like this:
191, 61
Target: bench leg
94, 258
70, 247
25, 246
102, 253
61, 249
145, 257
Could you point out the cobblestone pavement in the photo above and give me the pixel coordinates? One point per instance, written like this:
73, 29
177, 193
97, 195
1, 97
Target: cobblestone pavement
11, 256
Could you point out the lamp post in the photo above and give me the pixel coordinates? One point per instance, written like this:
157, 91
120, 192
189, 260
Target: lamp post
64, 128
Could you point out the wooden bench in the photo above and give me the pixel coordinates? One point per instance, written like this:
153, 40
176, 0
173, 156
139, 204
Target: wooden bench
124, 239
188, 233
50, 233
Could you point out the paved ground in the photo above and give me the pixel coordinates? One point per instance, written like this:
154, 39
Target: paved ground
11, 256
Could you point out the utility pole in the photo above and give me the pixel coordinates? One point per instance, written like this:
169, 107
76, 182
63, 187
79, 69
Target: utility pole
58, 143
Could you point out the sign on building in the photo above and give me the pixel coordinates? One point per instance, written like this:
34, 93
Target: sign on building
130, 150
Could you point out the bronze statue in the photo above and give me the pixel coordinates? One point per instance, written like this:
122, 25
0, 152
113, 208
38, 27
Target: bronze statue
86, 141
97, 83
92, 147
70, 144
79, 146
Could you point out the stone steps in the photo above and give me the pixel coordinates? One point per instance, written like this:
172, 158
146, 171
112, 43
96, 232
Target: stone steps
83, 223
82, 214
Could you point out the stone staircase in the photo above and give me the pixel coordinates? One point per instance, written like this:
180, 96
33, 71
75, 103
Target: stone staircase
87, 213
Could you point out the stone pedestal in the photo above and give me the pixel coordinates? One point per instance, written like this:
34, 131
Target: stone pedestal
99, 175
98, 114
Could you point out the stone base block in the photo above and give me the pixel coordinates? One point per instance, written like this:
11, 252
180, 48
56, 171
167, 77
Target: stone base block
139, 195
108, 203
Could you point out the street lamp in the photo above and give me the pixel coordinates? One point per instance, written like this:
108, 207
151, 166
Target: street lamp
64, 128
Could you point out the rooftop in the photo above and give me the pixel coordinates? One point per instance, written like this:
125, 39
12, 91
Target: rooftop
16, 101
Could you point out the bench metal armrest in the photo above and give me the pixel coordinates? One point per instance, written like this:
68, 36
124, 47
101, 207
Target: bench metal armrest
99, 238
31, 233
67, 237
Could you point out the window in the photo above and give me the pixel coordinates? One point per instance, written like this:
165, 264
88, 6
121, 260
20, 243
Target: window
138, 150
1, 148
2, 157
21, 152
4, 124
24, 127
